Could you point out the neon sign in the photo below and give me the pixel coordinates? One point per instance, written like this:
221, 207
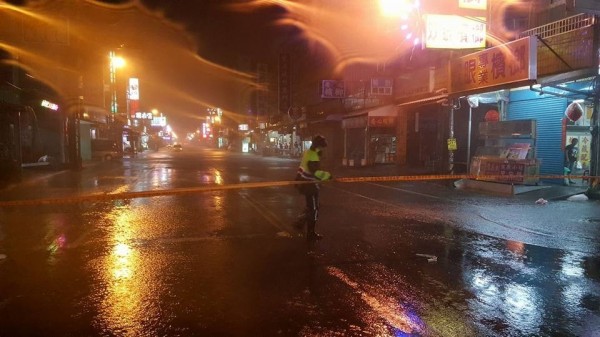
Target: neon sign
49, 105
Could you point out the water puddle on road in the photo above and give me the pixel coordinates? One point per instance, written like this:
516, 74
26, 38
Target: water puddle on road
212, 176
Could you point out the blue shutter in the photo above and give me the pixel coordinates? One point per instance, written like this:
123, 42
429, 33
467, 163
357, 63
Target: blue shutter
548, 111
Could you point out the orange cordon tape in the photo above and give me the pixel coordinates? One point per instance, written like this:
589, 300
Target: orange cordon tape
140, 194
211, 188
496, 178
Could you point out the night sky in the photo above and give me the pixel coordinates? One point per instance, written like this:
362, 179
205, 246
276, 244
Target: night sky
190, 55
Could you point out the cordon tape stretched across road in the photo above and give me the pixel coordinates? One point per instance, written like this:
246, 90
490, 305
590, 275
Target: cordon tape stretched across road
201, 189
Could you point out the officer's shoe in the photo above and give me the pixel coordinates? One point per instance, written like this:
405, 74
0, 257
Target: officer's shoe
314, 237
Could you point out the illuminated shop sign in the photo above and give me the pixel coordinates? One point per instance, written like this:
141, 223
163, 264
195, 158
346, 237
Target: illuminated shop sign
134, 89
382, 121
466, 32
381, 86
142, 115
49, 105
473, 4
512, 62
333, 89
243, 127
159, 121
206, 130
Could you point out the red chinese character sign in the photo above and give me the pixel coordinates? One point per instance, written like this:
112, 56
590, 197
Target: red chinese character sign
514, 62
382, 121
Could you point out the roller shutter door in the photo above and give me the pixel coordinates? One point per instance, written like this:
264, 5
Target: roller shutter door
548, 112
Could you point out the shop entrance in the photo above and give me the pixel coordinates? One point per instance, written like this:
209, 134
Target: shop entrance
423, 142
382, 148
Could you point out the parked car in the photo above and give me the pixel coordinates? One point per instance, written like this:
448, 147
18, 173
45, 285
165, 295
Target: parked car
106, 150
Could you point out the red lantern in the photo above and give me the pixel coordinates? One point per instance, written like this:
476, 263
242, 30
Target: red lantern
574, 111
492, 116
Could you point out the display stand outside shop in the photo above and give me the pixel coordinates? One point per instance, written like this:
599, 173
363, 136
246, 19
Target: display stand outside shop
508, 155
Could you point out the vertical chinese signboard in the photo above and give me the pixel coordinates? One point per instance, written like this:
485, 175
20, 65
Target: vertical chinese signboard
513, 62
285, 81
133, 96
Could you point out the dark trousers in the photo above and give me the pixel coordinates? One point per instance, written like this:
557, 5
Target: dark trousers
311, 213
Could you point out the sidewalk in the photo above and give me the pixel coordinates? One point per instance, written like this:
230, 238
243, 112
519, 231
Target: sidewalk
35, 174
546, 190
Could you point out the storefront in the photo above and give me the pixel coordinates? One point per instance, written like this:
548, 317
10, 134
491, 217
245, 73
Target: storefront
496, 150
92, 125
549, 106
541, 87
370, 137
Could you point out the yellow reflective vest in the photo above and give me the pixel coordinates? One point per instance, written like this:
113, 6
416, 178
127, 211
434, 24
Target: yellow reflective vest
310, 167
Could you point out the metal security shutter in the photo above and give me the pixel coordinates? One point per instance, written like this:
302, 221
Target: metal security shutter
548, 111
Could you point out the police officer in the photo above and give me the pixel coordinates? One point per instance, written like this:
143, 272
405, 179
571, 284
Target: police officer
310, 170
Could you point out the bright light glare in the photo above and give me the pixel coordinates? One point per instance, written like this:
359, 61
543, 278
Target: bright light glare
395, 8
118, 62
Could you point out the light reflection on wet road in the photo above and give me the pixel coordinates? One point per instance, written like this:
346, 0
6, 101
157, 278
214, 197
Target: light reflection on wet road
229, 263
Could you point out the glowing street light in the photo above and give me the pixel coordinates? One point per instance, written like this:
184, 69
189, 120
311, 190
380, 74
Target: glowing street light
397, 8
405, 16
115, 62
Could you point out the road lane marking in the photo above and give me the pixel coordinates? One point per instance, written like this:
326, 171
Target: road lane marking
268, 215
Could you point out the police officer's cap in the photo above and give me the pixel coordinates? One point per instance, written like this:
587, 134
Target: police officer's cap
319, 141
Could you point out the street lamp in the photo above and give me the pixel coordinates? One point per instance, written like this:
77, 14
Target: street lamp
396, 8
115, 62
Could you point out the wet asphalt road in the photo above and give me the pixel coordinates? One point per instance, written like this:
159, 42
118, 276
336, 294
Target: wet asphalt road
398, 259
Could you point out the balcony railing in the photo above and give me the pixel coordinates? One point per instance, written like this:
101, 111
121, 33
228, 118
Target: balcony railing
561, 26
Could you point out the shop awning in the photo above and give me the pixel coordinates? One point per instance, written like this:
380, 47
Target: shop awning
387, 110
427, 100
379, 117
384, 111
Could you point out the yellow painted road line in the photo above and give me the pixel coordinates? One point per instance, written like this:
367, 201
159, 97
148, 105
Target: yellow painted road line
268, 215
